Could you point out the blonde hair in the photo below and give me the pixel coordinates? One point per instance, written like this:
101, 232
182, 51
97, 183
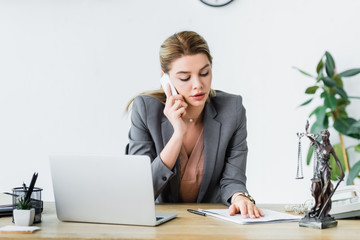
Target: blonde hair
180, 44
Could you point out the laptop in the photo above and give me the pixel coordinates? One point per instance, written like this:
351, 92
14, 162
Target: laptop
105, 189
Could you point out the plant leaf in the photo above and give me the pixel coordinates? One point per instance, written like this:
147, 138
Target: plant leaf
312, 113
353, 173
341, 107
342, 103
317, 127
356, 124
329, 100
353, 97
311, 90
341, 92
309, 154
328, 81
320, 113
320, 66
341, 113
329, 64
306, 103
350, 72
326, 122
338, 81
303, 72
357, 148
354, 130
319, 77
336, 172
343, 125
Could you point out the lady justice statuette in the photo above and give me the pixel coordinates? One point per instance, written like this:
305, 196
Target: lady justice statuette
321, 187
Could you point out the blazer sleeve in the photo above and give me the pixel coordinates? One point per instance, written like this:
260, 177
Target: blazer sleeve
141, 143
233, 177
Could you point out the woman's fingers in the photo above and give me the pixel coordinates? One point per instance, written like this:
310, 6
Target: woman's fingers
168, 91
169, 102
243, 210
175, 107
232, 210
254, 211
179, 97
177, 102
180, 112
250, 209
172, 100
258, 212
179, 107
246, 208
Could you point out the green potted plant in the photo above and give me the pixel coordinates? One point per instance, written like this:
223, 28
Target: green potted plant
23, 213
328, 87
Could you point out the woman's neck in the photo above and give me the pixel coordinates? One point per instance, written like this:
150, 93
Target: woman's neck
194, 114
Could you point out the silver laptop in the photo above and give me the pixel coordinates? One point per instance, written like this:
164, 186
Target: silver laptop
105, 189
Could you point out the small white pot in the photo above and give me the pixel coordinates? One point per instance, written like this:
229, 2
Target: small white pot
24, 217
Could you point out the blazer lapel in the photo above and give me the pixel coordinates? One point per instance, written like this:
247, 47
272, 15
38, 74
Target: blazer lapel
211, 144
167, 131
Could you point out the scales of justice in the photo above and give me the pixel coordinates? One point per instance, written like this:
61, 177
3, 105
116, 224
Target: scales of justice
321, 187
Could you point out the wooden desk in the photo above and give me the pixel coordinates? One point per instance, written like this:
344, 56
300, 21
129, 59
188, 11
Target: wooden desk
185, 226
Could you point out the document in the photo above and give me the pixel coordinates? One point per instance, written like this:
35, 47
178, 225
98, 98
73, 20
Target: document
18, 229
270, 216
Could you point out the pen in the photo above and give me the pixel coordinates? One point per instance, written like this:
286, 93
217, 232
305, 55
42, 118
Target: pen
11, 194
196, 212
31, 187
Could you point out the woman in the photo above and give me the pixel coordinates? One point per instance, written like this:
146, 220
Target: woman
321, 186
196, 139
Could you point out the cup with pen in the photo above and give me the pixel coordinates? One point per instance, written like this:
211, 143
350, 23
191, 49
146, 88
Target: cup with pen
30, 195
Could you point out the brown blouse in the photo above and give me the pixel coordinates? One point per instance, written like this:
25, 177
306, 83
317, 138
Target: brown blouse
191, 171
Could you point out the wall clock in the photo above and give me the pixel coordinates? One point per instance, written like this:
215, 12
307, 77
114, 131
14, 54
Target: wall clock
216, 3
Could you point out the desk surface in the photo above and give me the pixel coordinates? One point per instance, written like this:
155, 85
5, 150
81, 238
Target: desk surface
185, 226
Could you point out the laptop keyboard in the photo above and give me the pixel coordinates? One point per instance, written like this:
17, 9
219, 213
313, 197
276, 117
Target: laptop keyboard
159, 218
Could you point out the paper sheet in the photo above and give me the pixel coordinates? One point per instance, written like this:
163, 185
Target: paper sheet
270, 216
18, 229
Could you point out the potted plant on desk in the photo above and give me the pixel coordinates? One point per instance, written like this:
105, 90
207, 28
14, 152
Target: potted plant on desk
24, 214
328, 91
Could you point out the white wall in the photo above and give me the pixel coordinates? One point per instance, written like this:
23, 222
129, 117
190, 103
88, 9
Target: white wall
68, 69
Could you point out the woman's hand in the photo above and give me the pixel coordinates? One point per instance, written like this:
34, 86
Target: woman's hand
245, 207
175, 109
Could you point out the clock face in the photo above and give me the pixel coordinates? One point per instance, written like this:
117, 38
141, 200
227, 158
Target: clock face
216, 3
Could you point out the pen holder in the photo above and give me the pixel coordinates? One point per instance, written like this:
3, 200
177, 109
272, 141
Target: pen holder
36, 202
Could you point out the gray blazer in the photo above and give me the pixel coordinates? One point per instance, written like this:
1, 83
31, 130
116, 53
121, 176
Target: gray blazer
225, 147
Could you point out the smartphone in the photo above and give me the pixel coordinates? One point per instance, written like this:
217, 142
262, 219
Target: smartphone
165, 80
